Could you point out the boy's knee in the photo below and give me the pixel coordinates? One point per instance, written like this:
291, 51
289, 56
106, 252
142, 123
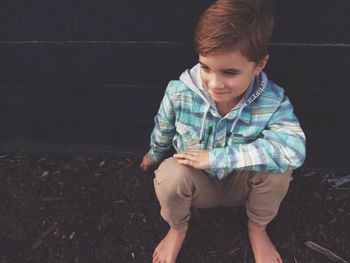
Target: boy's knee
268, 191
172, 174
278, 181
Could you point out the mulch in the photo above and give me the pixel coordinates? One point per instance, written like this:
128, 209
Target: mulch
89, 208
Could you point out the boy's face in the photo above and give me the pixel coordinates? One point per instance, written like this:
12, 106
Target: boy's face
226, 76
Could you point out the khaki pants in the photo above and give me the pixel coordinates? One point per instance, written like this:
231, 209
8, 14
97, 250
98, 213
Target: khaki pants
178, 187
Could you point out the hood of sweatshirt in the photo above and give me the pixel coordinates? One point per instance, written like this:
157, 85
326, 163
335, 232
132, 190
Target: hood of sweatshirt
191, 77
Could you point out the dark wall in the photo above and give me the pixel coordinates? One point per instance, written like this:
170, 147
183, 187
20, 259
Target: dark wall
94, 72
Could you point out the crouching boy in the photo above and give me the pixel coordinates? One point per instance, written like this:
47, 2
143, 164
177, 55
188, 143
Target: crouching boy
235, 133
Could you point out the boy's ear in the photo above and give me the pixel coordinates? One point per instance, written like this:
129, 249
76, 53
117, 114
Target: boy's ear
261, 65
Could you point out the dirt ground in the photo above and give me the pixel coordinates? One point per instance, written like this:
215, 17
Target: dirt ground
91, 208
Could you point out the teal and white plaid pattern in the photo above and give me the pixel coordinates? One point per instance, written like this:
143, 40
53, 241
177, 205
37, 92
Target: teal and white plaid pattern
266, 137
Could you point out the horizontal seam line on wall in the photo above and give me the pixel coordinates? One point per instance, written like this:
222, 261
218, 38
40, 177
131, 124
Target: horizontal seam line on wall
97, 43
83, 85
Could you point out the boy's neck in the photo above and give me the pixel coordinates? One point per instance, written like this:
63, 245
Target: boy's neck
226, 107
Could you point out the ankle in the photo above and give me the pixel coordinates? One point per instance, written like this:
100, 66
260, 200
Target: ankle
253, 227
181, 230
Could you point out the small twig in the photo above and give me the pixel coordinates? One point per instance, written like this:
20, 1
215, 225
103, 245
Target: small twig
342, 188
51, 199
324, 178
131, 163
120, 201
336, 182
309, 174
44, 235
329, 254
232, 251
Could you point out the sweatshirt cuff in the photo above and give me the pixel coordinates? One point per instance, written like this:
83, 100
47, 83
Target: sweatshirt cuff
154, 156
218, 163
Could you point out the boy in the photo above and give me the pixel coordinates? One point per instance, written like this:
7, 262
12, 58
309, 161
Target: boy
235, 133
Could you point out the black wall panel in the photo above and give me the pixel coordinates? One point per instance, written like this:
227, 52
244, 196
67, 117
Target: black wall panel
94, 72
315, 21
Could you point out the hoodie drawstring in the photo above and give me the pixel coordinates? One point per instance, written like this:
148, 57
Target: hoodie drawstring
237, 118
201, 135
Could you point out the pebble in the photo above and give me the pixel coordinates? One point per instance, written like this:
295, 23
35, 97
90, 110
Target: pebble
71, 236
44, 174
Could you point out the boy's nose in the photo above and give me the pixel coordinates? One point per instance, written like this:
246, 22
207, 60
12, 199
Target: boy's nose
215, 83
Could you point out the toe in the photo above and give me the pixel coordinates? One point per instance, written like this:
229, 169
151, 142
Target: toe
154, 253
155, 258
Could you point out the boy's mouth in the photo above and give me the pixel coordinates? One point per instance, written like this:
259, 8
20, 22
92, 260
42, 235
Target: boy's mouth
216, 92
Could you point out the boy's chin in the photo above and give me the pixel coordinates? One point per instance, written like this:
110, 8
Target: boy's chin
221, 100
226, 102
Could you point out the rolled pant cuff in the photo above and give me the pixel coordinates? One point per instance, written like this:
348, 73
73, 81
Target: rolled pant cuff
173, 221
257, 224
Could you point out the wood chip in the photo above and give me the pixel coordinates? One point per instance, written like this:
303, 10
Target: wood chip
43, 236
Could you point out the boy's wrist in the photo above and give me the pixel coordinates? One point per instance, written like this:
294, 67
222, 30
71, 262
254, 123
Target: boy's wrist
154, 156
212, 158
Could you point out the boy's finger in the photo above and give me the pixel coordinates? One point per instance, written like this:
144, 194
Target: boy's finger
188, 162
196, 150
186, 154
191, 157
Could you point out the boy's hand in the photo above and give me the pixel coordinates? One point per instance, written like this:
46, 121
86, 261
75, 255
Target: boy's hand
147, 162
198, 159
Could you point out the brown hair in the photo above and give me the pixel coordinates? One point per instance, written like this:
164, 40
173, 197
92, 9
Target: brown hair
227, 25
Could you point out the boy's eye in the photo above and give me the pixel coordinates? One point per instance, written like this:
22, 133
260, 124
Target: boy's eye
205, 68
231, 73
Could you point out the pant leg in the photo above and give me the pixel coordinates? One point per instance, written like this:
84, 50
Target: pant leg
235, 189
265, 196
178, 187
262, 193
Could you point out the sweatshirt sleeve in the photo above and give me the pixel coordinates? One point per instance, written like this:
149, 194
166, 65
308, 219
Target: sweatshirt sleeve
164, 129
281, 146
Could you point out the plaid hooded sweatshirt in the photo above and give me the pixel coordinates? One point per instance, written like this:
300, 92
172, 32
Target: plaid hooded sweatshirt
261, 133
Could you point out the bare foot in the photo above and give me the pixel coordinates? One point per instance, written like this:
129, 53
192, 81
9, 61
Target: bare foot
263, 249
169, 247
